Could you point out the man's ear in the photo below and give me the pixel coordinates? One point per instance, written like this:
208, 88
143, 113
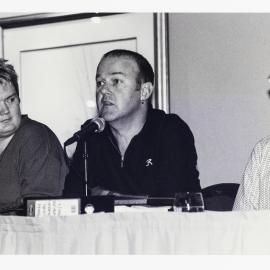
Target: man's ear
146, 90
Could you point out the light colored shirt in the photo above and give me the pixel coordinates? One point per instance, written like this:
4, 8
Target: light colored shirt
254, 190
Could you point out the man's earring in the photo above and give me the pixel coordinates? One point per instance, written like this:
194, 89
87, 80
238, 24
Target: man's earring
142, 101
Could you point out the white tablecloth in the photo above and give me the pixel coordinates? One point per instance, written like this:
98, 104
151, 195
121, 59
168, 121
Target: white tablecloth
138, 233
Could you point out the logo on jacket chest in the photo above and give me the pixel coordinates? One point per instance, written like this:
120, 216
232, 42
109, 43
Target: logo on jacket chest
149, 162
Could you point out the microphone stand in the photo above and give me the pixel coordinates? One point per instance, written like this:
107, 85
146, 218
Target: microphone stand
97, 125
85, 158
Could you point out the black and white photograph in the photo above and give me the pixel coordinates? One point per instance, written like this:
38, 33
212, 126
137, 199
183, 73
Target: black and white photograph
134, 132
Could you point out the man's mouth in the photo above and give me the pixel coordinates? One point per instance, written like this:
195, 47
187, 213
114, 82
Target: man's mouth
5, 120
107, 103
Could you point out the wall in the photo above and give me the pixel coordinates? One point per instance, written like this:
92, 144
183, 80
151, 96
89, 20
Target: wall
68, 53
219, 64
1, 42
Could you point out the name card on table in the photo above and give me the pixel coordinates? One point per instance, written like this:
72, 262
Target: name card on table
58, 206
52, 207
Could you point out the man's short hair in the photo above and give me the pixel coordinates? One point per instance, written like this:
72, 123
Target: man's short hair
146, 73
8, 74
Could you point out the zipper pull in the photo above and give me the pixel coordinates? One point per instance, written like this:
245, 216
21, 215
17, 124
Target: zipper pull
122, 161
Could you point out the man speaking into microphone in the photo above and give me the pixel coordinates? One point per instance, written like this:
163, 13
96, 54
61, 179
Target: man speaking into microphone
141, 151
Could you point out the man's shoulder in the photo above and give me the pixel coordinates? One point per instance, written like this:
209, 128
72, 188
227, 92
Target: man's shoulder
263, 144
34, 129
169, 120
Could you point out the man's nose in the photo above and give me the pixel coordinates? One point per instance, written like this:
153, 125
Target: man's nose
4, 109
105, 89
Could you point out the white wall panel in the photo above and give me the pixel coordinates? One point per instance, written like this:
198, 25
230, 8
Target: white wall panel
219, 64
57, 62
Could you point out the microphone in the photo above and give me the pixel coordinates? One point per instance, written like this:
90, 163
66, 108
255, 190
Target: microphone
95, 125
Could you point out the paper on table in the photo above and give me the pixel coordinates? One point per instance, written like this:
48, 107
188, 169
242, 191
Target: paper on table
123, 208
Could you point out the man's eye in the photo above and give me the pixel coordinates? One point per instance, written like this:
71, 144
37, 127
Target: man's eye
115, 81
11, 100
100, 83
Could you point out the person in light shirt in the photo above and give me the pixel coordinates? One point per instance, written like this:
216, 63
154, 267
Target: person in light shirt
254, 190
142, 150
31, 157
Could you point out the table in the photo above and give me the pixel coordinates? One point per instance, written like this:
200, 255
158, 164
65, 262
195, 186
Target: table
138, 233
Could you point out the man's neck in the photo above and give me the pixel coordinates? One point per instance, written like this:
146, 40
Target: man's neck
4, 143
125, 130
